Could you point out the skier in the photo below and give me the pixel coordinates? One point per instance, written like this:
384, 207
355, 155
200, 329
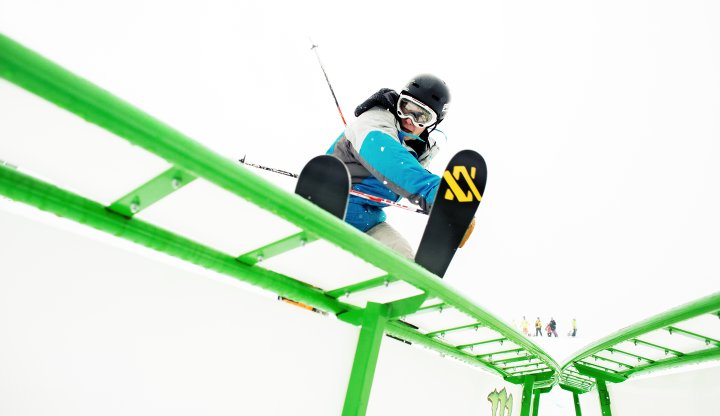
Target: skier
538, 326
387, 149
553, 327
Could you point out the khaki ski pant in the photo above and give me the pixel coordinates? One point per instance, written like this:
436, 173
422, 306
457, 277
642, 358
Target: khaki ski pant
389, 236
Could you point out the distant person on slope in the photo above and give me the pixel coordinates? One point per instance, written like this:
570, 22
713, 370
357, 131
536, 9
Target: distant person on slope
525, 326
538, 327
387, 149
553, 327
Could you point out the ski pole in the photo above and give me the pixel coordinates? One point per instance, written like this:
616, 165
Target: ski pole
314, 48
352, 191
386, 201
273, 170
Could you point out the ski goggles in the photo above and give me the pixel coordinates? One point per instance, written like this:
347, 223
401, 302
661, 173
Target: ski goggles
420, 114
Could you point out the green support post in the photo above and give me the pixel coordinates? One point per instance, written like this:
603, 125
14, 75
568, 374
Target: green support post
576, 400
536, 398
366, 355
536, 404
528, 382
604, 397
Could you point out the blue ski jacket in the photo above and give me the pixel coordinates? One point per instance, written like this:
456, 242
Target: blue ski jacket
382, 164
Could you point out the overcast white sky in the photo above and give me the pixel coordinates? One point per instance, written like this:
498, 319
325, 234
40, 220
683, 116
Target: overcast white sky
598, 122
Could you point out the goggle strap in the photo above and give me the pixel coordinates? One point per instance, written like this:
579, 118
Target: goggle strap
441, 132
413, 136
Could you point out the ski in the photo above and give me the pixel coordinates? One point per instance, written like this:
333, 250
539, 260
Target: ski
453, 211
325, 181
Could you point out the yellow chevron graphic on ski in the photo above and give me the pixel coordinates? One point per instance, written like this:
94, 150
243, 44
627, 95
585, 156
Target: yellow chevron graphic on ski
455, 190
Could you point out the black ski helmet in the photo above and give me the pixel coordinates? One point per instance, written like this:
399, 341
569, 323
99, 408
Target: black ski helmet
432, 91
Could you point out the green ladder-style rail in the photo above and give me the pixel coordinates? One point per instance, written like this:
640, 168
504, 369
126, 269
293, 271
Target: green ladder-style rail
497, 347
674, 338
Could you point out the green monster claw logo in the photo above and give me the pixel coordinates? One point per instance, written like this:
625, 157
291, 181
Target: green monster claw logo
501, 401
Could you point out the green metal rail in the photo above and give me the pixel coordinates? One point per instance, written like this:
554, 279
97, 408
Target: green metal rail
505, 352
656, 343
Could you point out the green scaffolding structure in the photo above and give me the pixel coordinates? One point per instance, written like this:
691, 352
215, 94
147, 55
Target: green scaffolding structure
671, 339
495, 346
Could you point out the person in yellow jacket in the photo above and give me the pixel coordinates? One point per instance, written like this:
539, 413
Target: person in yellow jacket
525, 326
538, 327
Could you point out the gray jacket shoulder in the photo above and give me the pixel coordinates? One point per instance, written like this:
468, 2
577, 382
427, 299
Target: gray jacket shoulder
375, 119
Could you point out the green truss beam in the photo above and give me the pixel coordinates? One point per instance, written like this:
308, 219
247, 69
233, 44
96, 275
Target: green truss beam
580, 384
707, 340
528, 372
541, 379
618, 363
442, 332
639, 357
441, 306
514, 359
490, 341
657, 347
490, 354
665, 321
359, 287
598, 372
278, 247
571, 389
152, 191
514, 367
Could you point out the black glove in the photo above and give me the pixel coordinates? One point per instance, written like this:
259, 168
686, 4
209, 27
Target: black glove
385, 98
